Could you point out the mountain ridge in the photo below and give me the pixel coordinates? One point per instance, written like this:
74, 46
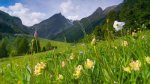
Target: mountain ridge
58, 27
50, 27
11, 24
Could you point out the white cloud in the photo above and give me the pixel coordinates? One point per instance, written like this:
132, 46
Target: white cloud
27, 16
76, 17
68, 6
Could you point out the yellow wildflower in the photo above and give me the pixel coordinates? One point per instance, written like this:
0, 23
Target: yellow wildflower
37, 72
114, 47
77, 72
147, 59
79, 67
135, 65
125, 43
134, 34
42, 65
60, 77
143, 37
93, 43
72, 56
63, 64
127, 69
89, 64
38, 68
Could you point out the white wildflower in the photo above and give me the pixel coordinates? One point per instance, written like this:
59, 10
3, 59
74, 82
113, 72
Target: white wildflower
118, 25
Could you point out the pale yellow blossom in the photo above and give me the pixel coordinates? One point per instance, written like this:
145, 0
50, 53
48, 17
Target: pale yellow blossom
60, 77
93, 43
127, 69
89, 64
42, 65
143, 37
77, 72
72, 56
135, 65
134, 34
37, 72
114, 47
125, 43
63, 64
38, 68
147, 59
79, 67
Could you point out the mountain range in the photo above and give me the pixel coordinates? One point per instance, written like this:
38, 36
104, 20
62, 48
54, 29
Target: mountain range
60, 28
57, 27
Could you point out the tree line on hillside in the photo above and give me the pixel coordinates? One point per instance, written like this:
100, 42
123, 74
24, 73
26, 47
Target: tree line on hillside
135, 14
21, 46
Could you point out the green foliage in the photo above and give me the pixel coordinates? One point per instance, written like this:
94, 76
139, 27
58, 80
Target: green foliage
17, 46
98, 32
110, 58
0, 35
135, 13
13, 52
20, 46
43, 49
3, 48
23, 46
6, 28
48, 46
35, 45
106, 30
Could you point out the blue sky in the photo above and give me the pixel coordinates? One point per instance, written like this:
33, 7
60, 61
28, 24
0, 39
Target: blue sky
38, 10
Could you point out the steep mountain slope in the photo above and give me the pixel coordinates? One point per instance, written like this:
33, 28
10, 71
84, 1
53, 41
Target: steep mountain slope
10, 24
135, 14
86, 25
59, 28
52, 26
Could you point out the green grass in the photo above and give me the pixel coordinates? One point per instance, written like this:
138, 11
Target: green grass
109, 56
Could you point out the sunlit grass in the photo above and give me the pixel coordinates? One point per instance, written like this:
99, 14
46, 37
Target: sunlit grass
106, 63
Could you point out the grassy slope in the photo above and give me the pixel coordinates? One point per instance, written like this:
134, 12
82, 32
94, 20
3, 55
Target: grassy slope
109, 57
43, 43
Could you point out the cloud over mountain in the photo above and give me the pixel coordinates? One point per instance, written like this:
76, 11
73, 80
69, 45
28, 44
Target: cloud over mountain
68, 6
27, 16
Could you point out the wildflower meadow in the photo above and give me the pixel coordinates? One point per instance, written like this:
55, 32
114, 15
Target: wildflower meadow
74, 41
121, 61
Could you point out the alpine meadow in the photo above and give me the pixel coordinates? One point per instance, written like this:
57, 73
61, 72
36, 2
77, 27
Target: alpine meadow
75, 42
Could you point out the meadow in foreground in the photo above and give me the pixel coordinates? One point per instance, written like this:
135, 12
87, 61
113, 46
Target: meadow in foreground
121, 61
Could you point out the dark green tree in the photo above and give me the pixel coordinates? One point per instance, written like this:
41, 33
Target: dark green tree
135, 13
106, 30
98, 33
35, 47
48, 46
43, 50
0, 35
3, 48
23, 46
